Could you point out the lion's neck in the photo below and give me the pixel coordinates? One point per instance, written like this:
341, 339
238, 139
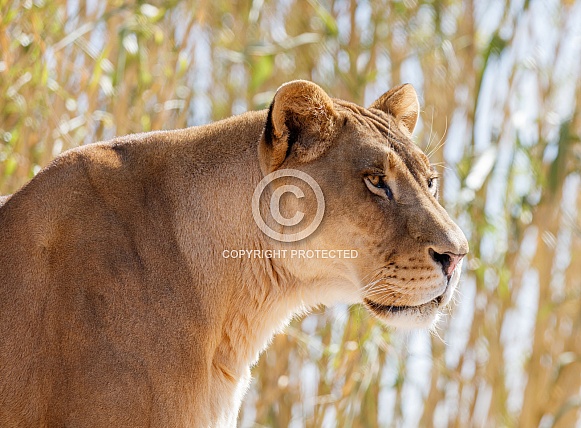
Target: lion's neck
265, 302
259, 308
256, 309
249, 299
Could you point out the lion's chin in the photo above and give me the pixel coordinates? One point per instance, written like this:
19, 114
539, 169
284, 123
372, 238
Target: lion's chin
406, 316
419, 316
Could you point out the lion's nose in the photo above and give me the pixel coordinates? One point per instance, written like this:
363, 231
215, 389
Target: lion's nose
448, 261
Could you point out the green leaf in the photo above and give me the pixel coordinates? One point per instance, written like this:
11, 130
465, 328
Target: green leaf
330, 23
261, 70
10, 166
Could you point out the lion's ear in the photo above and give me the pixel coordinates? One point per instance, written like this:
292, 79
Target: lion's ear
402, 103
301, 121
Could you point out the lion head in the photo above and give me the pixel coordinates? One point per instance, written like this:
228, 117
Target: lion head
381, 199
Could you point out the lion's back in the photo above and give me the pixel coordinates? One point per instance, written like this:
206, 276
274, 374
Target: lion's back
60, 238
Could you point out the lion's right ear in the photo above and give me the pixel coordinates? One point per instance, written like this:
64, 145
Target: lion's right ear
301, 121
402, 103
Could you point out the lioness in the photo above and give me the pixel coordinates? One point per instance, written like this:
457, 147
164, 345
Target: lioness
121, 303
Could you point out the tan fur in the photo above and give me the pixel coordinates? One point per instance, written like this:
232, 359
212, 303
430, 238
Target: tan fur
300, 104
402, 103
117, 307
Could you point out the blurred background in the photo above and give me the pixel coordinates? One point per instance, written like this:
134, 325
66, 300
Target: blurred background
500, 88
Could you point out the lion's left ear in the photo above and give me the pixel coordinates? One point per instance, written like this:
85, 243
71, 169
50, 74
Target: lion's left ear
402, 103
301, 123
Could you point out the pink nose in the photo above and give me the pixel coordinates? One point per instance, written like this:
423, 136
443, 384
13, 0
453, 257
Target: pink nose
448, 261
454, 260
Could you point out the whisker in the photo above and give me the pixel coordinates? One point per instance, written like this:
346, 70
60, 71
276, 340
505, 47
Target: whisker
441, 142
369, 287
372, 273
431, 129
434, 332
442, 165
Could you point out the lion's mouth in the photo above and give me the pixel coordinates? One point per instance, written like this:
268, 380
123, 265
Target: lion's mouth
381, 309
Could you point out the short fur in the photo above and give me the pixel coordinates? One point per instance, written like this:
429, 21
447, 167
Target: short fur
117, 306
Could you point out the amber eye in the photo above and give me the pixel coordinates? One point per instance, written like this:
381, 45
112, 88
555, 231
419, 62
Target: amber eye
377, 185
375, 180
